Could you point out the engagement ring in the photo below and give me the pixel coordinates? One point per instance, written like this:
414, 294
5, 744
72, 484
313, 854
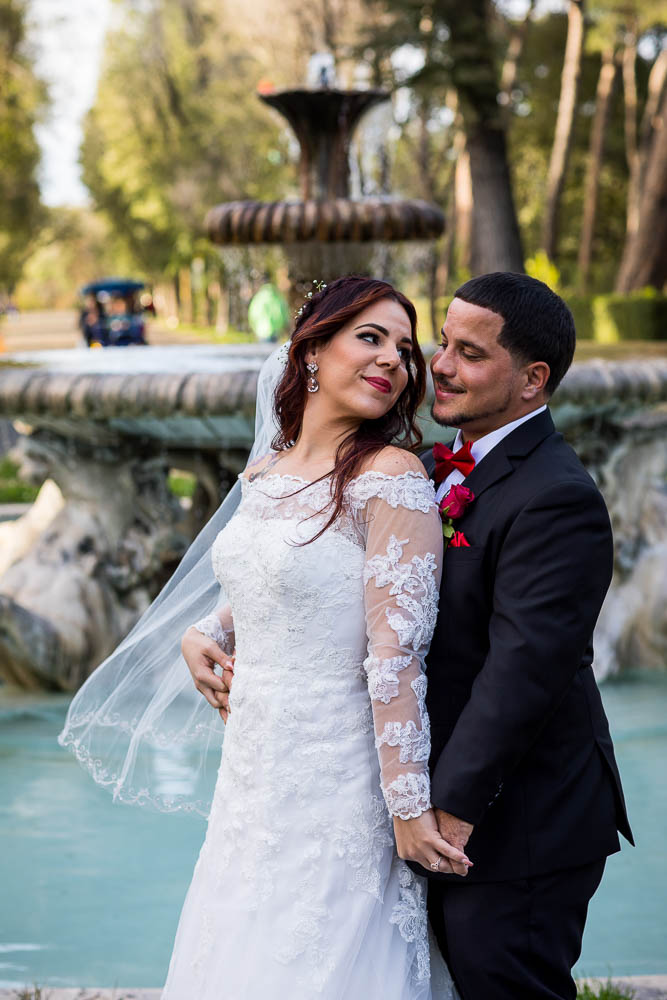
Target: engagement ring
435, 865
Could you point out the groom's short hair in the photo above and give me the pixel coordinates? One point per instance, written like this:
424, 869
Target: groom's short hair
538, 326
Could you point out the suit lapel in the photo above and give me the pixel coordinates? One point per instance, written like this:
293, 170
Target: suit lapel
498, 463
493, 467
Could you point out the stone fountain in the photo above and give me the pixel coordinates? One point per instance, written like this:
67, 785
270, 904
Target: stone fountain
325, 233
103, 428
105, 532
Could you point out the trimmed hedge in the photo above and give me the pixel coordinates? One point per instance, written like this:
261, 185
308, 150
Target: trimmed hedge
608, 319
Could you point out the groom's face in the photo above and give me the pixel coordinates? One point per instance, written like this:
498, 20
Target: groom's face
477, 383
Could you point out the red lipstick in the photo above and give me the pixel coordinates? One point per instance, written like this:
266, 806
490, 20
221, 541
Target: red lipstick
381, 384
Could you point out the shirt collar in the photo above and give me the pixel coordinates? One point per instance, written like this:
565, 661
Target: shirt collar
480, 448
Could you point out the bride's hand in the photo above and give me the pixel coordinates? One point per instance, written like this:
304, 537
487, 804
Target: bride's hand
201, 655
419, 840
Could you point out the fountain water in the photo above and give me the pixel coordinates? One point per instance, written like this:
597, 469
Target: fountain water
325, 233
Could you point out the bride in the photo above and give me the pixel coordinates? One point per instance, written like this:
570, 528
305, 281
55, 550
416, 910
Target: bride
330, 567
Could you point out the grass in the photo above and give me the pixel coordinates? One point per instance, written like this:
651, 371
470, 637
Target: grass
600, 991
211, 335
604, 991
182, 484
624, 350
12, 488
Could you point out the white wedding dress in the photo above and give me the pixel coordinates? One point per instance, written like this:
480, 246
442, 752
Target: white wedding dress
298, 893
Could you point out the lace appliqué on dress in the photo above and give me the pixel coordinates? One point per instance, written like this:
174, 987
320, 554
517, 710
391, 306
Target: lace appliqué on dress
409, 490
407, 580
363, 845
409, 795
409, 915
383, 682
411, 586
211, 627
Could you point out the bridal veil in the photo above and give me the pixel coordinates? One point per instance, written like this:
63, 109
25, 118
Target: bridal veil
138, 724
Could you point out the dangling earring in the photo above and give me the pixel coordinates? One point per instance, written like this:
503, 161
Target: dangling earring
312, 384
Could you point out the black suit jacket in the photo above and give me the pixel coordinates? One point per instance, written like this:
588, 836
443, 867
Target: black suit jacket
520, 741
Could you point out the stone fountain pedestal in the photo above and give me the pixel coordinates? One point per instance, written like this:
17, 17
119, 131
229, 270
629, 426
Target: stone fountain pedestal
105, 533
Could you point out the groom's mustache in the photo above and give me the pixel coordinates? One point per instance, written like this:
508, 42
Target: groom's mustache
446, 386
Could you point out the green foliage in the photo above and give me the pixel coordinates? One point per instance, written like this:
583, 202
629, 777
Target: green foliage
176, 128
211, 335
604, 991
181, 484
22, 100
613, 318
12, 488
543, 269
74, 246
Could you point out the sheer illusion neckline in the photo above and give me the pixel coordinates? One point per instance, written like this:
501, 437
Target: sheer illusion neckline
408, 474
282, 475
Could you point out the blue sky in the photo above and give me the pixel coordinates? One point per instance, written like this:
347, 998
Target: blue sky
67, 36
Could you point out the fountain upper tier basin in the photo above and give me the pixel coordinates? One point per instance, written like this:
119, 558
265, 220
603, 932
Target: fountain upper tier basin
323, 122
339, 220
205, 395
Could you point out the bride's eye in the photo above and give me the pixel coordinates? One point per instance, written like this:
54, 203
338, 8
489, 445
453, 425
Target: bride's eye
405, 355
373, 338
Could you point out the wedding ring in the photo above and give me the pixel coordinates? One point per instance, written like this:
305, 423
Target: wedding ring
435, 865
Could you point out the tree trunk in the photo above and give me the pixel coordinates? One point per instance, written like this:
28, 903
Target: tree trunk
645, 254
560, 150
463, 207
496, 240
656, 86
496, 244
630, 128
637, 163
513, 53
605, 90
177, 292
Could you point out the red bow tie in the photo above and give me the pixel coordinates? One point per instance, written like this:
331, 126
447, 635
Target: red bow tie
447, 460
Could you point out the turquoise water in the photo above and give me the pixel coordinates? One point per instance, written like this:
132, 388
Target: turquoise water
91, 892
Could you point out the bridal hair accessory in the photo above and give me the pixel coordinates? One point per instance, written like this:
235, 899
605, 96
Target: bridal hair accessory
312, 385
319, 287
138, 724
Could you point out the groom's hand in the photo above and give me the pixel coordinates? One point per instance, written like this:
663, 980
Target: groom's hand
201, 655
418, 840
452, 829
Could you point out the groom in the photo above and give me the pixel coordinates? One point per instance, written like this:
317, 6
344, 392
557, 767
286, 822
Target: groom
522, 764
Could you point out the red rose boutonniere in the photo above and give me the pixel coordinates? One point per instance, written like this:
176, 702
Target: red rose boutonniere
452, 506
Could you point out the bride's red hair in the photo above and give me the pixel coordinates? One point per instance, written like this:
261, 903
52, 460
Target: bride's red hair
321, 318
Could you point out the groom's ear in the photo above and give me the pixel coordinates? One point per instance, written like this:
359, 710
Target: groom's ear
535, 375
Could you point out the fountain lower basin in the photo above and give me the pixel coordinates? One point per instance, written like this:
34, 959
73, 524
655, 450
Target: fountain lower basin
107, 427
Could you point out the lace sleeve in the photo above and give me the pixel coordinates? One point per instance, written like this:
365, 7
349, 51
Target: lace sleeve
401, 585
219, 627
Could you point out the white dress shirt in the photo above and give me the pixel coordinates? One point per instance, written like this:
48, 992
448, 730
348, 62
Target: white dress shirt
479, 449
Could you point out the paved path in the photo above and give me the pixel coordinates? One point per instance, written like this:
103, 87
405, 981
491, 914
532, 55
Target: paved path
44, 331
645, 988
